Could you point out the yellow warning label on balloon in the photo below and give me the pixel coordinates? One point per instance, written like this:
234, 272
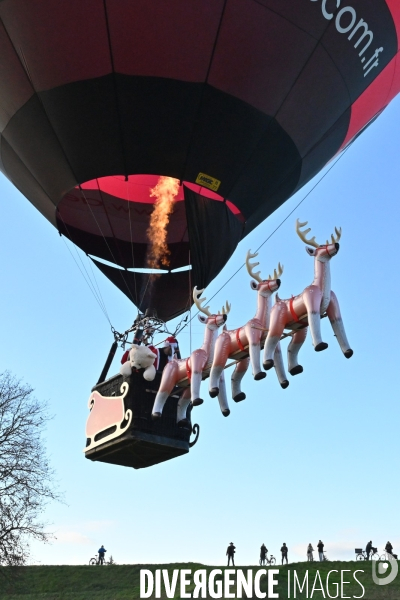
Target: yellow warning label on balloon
207, 181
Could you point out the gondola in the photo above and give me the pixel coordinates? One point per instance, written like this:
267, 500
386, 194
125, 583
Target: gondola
121, 431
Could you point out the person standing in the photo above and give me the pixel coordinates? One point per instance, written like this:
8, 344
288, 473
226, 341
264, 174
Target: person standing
102, 552
389, 548
320, 547
263, 554
230, 553
368, 549
310, 551
284, 551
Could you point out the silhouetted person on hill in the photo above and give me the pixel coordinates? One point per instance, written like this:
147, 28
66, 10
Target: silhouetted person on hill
320, 547
230, 553
102, 552
368, 549
389, 548
284, 551
263, 554
310, 551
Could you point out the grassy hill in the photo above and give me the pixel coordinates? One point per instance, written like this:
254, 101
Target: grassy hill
121, 582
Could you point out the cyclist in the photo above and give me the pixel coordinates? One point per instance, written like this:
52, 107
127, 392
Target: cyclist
263, 554
368, 549
102, 552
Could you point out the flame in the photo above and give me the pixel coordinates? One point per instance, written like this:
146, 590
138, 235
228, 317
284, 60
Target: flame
165, 192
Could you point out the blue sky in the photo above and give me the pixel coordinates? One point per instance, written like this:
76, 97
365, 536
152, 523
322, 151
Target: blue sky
315, 461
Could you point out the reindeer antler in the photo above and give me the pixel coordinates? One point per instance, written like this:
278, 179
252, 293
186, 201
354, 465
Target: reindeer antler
198, 302
338, 236
250, 266
226, 309
302, 234
276, 274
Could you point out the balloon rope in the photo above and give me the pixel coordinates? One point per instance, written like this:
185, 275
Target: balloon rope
98, 298
96, 294
97, 286
297, 205
104, 238
145, 290
279, 226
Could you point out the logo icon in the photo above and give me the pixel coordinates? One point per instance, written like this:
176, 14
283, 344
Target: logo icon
207, 181
387, 564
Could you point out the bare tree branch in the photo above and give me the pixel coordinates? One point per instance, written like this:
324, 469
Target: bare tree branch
26, 478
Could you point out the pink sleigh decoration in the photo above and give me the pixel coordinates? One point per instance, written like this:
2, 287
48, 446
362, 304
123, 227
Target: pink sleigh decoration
107, 413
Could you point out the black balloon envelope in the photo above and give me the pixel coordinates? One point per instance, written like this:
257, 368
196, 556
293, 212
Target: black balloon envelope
241, 101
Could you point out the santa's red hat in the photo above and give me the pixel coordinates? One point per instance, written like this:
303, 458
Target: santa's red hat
173, 343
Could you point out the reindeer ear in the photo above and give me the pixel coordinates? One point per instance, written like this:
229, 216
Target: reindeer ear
310, 251
253, 284
202, 318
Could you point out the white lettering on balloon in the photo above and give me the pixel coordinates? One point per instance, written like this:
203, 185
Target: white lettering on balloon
347, 21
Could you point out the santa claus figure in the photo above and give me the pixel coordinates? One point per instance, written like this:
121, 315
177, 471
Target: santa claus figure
166, 353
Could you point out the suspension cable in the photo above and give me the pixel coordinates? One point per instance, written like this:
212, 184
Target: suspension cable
278, 227
88, 281
97, 285
104, 238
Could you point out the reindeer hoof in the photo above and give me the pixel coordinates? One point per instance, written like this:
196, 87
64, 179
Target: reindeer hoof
284, 384
226, 412
197, 402
260, 375
214, 392
321, 346
155, 416
184, 423
296, 370
239, 397
349, 353
268, 364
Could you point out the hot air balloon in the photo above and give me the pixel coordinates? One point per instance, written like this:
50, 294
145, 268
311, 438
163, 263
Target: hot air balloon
241, 101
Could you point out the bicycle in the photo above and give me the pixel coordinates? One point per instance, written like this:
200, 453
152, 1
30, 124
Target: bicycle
96, 561
268, 561
362, 555
388, 556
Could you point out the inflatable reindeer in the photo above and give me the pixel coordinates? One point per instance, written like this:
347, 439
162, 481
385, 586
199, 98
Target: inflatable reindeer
308, 307
193, 367
251, 334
